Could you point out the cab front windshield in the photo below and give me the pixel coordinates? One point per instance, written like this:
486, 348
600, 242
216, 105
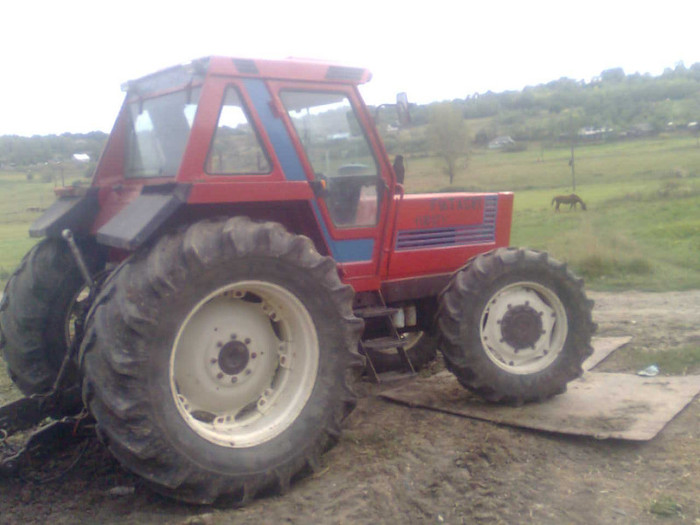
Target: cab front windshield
157, 133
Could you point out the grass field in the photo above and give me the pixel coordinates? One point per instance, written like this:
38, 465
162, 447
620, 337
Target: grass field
642, 227
641, 230
17, 198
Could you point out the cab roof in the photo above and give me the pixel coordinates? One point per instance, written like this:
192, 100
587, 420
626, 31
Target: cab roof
287, 69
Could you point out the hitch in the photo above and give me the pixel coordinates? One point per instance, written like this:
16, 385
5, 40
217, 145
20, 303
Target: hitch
52, 438
28, 412
54, 435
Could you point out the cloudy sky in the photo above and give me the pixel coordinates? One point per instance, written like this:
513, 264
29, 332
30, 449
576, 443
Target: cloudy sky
63, 62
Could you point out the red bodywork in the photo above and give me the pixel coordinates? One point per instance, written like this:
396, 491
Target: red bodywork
416, 237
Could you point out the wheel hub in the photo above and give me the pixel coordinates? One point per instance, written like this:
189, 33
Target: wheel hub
233, 358
521, 326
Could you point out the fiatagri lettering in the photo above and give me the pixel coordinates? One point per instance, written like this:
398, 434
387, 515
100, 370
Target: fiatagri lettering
456, 203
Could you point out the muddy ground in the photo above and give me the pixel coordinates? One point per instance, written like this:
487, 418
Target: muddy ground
400, 465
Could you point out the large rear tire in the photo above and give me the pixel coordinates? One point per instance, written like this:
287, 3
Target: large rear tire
38, 312
515, 326
217, 363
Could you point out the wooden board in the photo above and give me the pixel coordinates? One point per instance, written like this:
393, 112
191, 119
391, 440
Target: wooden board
602, 405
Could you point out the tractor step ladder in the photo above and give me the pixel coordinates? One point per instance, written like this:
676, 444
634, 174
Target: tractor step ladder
386, 342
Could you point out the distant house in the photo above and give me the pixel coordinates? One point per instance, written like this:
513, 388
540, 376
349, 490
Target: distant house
501, 142
81, 157
592, 133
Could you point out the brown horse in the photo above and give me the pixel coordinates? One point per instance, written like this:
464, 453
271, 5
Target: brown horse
571, 200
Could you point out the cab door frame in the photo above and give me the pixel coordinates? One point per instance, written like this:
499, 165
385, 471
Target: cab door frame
358, 250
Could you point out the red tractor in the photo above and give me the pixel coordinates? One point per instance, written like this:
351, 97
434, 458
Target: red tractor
243, 251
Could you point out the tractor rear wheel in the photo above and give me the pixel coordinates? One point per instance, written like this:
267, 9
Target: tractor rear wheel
515, 326
39, 308
217, 362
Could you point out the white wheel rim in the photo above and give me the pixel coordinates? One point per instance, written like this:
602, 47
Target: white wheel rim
524, 328
244, 363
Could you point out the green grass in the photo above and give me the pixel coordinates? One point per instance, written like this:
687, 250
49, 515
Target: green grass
648, 239
642, 227
631, 161
665, 507
20, 204
678, 361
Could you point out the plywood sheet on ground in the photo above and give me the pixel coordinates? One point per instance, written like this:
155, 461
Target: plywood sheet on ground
603, 405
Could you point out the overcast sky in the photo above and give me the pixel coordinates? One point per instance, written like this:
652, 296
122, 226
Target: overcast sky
63, 62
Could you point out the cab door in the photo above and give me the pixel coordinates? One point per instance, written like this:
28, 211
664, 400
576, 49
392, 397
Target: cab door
350, 176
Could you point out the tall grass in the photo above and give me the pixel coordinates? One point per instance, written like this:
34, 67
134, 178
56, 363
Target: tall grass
648, 239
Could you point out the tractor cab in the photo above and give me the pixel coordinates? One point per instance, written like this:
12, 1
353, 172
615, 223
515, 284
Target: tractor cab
288, 141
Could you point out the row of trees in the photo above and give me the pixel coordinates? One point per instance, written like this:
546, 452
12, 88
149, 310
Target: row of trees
623, 104
611, 106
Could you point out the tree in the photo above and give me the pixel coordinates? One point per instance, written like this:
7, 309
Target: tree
448, 136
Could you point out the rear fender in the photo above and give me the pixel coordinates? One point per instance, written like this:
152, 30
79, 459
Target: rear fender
74, 212
142, 217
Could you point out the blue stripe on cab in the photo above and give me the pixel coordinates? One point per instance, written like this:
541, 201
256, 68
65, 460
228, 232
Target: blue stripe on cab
354, 250
284, 148
351, 250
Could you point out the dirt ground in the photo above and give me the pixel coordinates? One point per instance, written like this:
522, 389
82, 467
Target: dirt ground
400, 465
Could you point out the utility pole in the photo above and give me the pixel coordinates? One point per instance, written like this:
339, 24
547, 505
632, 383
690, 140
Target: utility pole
572, 161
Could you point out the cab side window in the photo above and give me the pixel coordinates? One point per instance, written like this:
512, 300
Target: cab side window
339, 154
236, 148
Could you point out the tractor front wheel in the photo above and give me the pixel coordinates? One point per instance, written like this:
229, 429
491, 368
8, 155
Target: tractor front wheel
217, 362
42, 302
515, 326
